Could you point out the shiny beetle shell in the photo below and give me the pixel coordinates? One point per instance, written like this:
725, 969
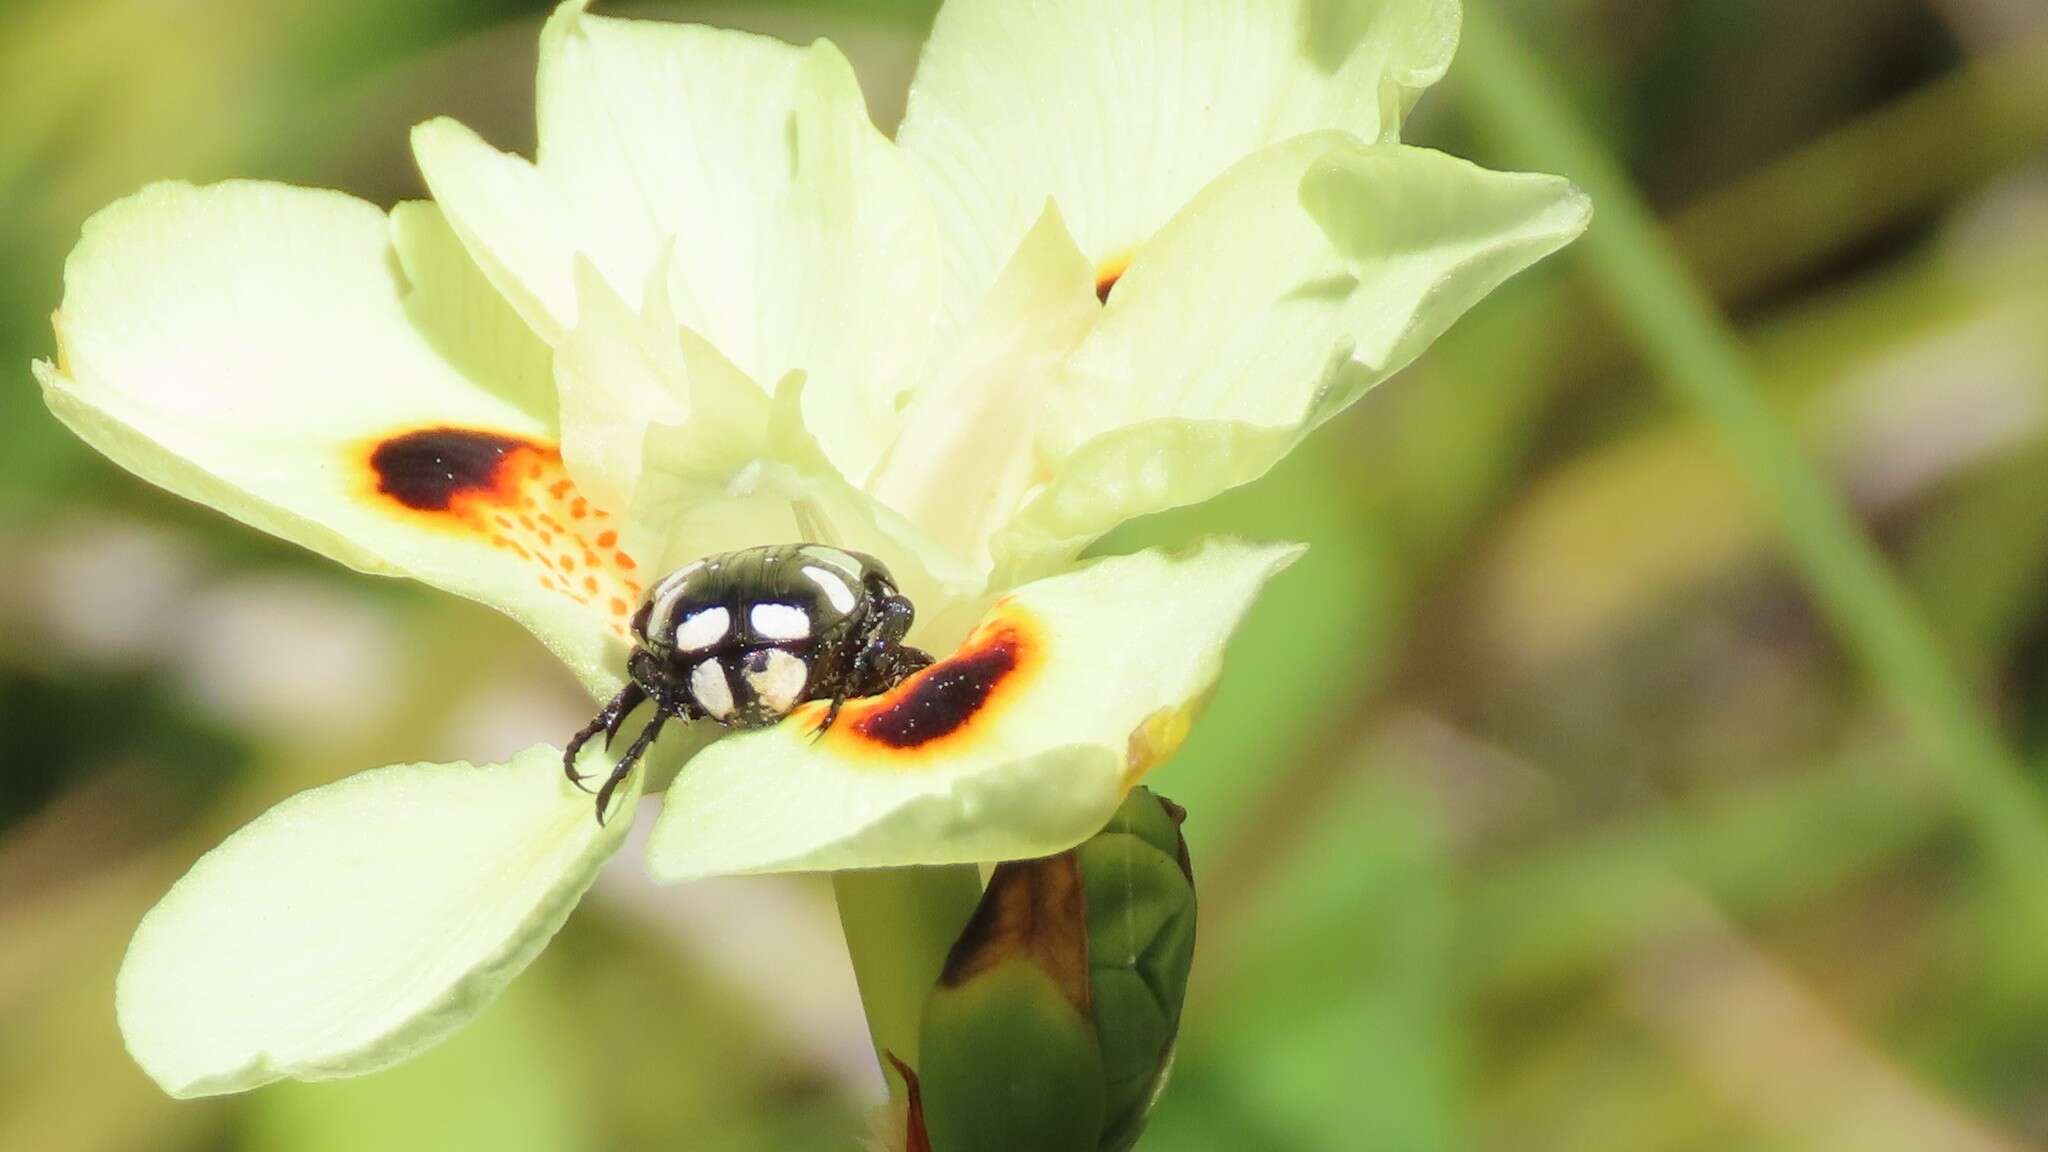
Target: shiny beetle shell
750, 635
742, 638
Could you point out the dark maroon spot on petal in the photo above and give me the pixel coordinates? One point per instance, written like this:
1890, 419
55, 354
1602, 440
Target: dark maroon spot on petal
432, 469
943, 698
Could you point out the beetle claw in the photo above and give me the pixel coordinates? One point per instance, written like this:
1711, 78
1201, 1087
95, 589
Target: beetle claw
606, 721
626, 763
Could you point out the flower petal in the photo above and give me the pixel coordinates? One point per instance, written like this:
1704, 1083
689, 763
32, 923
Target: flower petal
967, 450
744, 471
800, 235
1126, 473
620, 371
268, 351
1303, 277
1021, 743
1123, 111
356, 924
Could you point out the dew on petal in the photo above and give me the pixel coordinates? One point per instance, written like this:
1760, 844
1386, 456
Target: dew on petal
511, 493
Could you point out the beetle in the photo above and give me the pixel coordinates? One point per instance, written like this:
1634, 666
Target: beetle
742, 638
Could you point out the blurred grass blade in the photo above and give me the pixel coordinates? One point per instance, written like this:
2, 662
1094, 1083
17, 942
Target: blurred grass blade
1685, 339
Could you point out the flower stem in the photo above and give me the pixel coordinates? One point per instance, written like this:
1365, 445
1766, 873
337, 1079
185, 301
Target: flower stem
899, 925
1686, 341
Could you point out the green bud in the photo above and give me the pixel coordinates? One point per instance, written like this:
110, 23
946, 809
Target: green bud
1009, 1060
1052, 1025
1140, 895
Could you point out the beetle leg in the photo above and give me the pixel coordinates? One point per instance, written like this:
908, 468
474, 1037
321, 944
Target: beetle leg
624, 767
882, 662
607, 722
907, 660
831, 715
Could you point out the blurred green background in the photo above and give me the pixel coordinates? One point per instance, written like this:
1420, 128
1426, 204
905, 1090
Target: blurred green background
1543, 806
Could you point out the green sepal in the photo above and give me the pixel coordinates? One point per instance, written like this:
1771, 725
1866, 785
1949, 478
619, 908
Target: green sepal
1053, 1024
1008, 1051
1140, 897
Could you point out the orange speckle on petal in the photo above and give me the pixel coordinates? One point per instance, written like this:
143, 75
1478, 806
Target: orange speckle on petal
619, 606
624, 562
509, 493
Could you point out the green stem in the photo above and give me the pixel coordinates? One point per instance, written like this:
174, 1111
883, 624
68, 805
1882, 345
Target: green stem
899, 925
1681, 333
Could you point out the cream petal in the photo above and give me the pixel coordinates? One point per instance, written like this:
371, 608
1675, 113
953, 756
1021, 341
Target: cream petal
800, 236
1121, 112
357, 924
350, 383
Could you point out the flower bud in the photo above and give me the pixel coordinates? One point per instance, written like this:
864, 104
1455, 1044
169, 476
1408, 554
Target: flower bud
1140, 894
1052, 1025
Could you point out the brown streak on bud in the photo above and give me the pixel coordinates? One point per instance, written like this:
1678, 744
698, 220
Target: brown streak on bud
1036, 909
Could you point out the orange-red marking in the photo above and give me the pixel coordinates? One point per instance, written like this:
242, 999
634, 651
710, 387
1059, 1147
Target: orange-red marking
1111, 271
511, 493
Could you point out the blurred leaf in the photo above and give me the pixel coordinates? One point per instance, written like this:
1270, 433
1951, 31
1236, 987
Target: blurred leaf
1569, 912
1334, 1008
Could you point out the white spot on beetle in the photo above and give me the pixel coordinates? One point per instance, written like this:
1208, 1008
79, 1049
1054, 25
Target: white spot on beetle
778, 680
780, 621
704, 629
834, 587
710, 689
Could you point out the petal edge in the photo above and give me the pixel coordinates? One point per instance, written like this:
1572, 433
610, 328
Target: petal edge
358, 923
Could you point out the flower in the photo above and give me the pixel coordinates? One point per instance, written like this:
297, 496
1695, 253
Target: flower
1119, 258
